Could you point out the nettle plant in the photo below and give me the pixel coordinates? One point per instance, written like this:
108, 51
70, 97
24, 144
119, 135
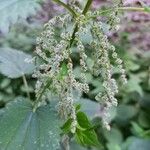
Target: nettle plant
47, 124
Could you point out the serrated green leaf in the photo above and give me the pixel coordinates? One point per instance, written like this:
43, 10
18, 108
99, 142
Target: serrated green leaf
66, 128
13, 64
12, 10
85, 135
23, 129
83, 120
87, 138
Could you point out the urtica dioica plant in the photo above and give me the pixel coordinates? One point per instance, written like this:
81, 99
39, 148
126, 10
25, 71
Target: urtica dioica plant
62, 48
55, 74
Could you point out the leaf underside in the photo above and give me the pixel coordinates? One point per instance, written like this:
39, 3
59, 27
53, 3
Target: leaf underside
13, 64
23, 129
12, 10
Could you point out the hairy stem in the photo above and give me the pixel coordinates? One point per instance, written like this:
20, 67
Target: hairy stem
26, 85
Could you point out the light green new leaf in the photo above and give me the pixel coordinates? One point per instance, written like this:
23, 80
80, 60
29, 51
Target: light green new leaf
23, 129
12, 10
13, 64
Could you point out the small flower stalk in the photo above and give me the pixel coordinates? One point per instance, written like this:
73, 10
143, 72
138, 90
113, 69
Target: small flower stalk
56, 71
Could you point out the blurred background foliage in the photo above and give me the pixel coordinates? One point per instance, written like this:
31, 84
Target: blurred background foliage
130, 122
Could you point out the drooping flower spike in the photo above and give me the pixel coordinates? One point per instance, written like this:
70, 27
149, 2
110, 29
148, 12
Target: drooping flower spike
56, 52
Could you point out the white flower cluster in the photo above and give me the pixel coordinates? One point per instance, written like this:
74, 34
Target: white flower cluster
55, 51
72, 4
113, 17
103, 67
114, 21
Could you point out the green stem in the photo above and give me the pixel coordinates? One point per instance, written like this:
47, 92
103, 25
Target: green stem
66, 7
87, 6
120, 9
131, 9
73, 35
26, 85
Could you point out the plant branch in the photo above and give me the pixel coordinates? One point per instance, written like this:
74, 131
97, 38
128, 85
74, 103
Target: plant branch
87, 6
65, 6
26, 85
131, 9
141, 9
48, 82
